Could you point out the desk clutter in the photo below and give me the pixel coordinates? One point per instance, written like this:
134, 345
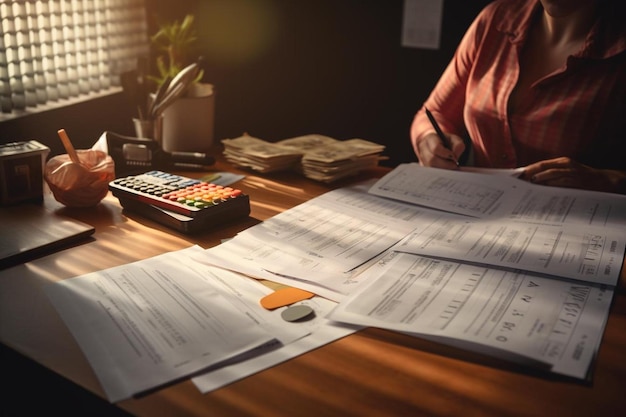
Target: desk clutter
483, 262
317, 157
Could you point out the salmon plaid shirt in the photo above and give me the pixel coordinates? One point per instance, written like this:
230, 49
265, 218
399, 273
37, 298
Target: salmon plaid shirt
578, 111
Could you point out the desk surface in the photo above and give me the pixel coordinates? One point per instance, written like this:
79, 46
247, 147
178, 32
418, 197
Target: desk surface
372, 372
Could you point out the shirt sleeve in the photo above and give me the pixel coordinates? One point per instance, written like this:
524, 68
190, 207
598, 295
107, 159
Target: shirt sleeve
447, 100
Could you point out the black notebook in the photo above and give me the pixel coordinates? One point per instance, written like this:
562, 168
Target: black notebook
28, 231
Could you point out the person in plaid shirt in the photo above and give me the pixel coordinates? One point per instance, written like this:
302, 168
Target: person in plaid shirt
539, 84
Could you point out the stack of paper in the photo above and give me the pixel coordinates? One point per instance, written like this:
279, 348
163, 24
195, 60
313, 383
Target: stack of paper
488, 263
340, 160
259, 155
318, 157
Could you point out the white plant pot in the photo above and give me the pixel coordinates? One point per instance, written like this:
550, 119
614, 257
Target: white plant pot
188, 123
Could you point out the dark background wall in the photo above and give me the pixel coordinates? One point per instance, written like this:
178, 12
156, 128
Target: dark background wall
284, 68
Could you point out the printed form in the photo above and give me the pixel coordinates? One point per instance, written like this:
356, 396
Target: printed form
512, 223
483, 195
571, 251
518, 316
323, 245
152, 322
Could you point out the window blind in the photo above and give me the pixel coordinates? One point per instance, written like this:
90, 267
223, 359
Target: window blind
54, 50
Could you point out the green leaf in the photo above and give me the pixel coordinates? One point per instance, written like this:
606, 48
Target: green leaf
175, 39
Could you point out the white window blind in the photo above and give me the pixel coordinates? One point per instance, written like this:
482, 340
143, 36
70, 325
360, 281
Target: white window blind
54, 50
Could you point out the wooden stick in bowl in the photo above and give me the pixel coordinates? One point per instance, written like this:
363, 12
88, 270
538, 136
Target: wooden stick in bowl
69, 148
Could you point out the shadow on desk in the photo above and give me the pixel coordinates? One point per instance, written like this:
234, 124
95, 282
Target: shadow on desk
29, 389
486, 359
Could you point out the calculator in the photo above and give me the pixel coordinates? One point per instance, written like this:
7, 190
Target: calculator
186, 204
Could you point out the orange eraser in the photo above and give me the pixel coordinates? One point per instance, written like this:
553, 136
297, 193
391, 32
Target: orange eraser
284, 297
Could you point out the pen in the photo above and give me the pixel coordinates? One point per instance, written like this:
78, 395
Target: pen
444, 138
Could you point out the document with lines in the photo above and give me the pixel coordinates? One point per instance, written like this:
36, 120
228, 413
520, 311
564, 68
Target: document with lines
506, 268
551, 324
321, 244
482, 195
580, 252
151, 322
506, 222
483, 262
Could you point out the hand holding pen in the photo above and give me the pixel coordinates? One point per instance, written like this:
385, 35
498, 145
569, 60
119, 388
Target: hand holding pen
445, 140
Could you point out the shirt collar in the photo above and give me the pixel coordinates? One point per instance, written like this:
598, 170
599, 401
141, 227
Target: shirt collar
517, 19
606, 39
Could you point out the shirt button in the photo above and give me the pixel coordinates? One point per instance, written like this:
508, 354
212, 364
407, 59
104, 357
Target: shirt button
504, 156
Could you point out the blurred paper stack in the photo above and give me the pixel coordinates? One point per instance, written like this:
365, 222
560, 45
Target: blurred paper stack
341, 159
318, 157
259, 155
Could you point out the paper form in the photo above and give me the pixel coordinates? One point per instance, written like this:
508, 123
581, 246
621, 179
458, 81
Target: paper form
537, 203
280, 248
579, 252
332, 230
495, 196
495, 311
283, 245
151, 322
257, 258
343, 228
244, 294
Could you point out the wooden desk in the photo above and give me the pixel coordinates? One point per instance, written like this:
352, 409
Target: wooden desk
370, 373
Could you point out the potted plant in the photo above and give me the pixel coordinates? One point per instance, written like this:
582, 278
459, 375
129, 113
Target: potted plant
175, 40
187, 124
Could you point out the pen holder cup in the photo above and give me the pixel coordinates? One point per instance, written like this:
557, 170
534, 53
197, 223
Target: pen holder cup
188, 123
82, 184
150, 129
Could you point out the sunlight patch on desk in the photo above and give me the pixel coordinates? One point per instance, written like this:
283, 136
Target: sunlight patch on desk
273, 186
75, 263
273, 208
112, 248
144, 236
70, 263
42, 272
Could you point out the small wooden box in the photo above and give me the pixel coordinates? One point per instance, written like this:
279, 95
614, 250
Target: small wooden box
21, 172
